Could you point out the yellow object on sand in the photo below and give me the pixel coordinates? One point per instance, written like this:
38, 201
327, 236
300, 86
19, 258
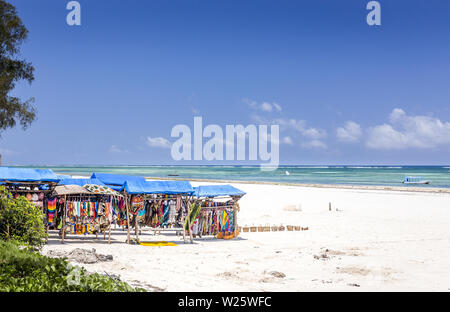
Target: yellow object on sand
157, 244
229, 235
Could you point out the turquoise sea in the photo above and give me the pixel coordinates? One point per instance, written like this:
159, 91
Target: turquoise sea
356, 175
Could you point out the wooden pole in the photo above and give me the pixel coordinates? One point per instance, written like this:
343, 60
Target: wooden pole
235, 221
128, 220
182, 219
64, 218
136, 232
236, 208
46, 219
189, 221
110, 216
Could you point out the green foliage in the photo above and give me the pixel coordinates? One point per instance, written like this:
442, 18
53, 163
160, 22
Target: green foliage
21, 221
22, 270
12, 69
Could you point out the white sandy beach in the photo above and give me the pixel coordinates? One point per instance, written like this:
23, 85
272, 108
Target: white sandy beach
372, 240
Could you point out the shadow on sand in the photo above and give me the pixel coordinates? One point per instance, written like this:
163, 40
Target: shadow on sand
119, 236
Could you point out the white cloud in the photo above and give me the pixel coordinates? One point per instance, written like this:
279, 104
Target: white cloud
300, 126
405, 131
116, 149
314, 144
158, 142
396, 114
314, 133
277, 106
287, 140
264, 107
309, 144
296, 127
386, 137
350, 133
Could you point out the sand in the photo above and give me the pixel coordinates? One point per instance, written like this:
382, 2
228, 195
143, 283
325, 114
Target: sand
372, 240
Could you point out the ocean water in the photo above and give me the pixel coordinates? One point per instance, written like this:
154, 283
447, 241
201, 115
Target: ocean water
353, 175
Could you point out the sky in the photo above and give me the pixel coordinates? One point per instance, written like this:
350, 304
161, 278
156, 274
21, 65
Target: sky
110, 91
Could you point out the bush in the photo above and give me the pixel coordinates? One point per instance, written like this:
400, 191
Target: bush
22, 270
21, 221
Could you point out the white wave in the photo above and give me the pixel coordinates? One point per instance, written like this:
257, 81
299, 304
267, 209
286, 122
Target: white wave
374, 167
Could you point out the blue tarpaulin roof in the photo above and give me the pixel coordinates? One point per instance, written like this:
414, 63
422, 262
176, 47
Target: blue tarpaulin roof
81, 182
217, 190
117, 188
27, 175
64, 176
158, 187
116, 179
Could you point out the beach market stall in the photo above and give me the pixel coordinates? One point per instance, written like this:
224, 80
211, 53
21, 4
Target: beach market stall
80, 182
90, 209
116, 181
218, 214
27, 180
61, 193
34, 184
159, 205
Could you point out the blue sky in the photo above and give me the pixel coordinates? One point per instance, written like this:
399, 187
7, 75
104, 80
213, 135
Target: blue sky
110, 91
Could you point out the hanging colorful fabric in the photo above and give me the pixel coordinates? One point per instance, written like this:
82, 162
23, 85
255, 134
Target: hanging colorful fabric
51, 209
137, 203
224, 221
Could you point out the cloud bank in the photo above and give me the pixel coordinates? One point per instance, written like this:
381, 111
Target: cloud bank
349, 133
406, 131
158, 142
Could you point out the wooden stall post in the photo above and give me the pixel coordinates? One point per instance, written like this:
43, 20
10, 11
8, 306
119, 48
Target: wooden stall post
189, 220
235, 220
64, 219
136, 230
110, 215
98, 218
46, 219
182, 219
128, 220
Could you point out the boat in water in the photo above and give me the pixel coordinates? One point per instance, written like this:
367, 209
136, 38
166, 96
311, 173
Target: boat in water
415, 180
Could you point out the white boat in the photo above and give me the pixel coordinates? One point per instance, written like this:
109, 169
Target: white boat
415, 180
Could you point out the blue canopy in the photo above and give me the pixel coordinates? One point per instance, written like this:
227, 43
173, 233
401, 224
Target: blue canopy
116, 179
64, 176
158, 187
81, 182
217, 190
27, 175
117, 188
